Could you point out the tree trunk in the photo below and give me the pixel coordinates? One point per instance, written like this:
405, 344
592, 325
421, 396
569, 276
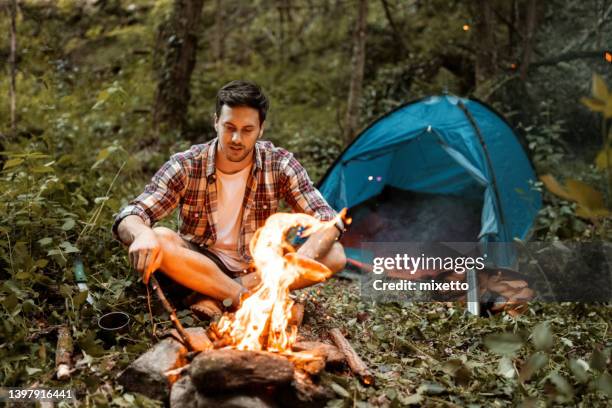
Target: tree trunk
358, 64
486, 54
511, 32
12, 8
176, 49
219, 36
528, 38
283, 17
397, 35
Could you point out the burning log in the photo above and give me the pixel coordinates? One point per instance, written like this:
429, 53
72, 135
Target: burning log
311, 362
198, 337
354, 361
219, 371
63, 353
332, 355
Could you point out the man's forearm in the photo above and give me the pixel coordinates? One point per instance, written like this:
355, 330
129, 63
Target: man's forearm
130, 227
319, 243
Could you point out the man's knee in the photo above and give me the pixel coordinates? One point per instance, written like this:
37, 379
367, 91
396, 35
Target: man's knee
168, 236
336, 258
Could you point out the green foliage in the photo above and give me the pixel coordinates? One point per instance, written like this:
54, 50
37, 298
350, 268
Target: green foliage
430, 354
545, 140
84, 148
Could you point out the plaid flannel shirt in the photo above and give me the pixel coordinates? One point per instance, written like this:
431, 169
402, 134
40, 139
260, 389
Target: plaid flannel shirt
187, 180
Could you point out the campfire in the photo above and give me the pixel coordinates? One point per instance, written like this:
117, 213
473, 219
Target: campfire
254, 352
261, 322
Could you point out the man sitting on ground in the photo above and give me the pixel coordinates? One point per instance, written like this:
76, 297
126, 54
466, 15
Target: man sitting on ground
226, 189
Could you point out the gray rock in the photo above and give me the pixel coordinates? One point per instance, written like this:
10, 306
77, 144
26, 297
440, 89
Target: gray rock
237, 401
185, 395
146, 375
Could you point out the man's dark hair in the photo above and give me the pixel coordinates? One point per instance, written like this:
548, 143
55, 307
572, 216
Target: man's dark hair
242, 93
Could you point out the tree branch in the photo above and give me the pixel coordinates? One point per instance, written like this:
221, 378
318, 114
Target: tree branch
394, 28
569, 56
12, 9
586, 35
528, 39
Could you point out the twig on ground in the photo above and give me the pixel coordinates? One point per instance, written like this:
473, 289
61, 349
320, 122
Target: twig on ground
354, 361
63, 353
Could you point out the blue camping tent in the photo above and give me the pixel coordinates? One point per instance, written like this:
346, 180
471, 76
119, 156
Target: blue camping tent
441, 146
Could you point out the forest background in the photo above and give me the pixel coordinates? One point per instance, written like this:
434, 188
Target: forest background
97, 94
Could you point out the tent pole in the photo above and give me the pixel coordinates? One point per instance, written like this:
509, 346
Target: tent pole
473, 303
489, 164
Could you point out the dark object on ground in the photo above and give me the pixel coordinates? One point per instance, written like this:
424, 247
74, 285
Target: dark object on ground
113, 324
304, 392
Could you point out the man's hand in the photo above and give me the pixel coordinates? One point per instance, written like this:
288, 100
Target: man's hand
319, 243
145, 253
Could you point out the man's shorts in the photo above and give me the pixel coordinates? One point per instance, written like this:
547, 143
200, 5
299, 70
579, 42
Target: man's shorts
213, 257
294, 236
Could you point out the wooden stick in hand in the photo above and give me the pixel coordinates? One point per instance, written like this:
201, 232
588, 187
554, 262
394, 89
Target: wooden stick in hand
172, 311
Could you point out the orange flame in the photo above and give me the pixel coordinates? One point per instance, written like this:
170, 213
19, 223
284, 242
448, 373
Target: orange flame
261, 322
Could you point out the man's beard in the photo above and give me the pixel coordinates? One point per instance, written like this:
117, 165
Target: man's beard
237, 156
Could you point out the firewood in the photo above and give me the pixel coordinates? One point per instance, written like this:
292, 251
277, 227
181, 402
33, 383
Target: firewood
311, 362
63, 353
333, 356
218, 371
354, 361
198, 337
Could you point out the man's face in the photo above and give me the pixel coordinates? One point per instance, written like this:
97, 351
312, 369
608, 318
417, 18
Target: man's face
238, 129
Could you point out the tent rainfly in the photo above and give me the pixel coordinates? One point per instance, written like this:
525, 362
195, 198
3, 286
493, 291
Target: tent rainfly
441, 168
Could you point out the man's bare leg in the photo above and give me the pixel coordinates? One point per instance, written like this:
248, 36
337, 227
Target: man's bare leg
193, 269
334, 259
